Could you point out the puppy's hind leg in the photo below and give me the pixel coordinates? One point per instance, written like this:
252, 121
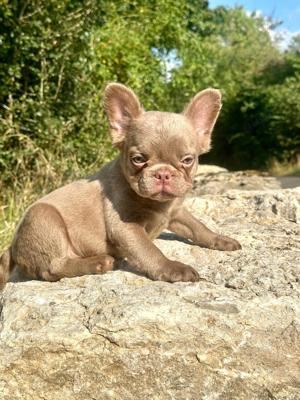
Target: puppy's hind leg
71, 267
42, 248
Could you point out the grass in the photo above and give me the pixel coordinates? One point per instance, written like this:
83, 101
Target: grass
14, 205
285, 169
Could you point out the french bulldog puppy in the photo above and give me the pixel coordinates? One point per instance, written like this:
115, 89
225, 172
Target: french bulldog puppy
84, 226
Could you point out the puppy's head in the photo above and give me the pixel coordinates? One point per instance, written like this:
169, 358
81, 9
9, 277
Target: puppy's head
159, 150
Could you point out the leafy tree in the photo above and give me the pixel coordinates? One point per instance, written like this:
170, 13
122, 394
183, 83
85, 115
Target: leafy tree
43, 48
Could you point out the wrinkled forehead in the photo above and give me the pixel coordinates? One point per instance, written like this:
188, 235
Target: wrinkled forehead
163, 133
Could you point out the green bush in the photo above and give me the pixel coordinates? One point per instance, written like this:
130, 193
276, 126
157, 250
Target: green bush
261, 123
45, 100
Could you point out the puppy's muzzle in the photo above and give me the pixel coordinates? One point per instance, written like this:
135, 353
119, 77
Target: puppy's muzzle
163, 175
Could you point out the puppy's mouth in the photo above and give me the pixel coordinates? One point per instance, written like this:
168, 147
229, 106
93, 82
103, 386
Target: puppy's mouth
164, 189
160, 192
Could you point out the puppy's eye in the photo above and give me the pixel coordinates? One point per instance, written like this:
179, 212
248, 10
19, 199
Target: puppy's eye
138, 159
188, 160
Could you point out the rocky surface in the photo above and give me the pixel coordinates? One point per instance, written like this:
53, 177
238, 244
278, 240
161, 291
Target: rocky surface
233, 335
211, 179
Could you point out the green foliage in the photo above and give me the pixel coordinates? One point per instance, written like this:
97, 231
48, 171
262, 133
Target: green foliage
45, 112
58, 56
261, 123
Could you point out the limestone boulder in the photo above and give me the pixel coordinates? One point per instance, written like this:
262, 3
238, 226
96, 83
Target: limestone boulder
211, 179
233, 335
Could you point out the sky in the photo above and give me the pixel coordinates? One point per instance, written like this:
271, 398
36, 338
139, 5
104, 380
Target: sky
287, 11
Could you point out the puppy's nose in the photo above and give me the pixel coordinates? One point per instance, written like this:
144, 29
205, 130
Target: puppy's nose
163, 175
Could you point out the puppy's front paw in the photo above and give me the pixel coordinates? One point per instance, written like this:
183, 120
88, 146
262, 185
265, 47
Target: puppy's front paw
174, 271
225, 243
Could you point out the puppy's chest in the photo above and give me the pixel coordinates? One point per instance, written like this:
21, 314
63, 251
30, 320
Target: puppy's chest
156, 225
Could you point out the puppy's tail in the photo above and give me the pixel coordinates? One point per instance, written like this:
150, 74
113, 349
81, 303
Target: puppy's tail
6, 266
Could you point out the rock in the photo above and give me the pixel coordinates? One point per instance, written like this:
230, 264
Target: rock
233, 335
215, 180
210, 169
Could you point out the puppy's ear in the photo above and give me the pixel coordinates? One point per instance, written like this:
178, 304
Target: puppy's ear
203, 111
121, 106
